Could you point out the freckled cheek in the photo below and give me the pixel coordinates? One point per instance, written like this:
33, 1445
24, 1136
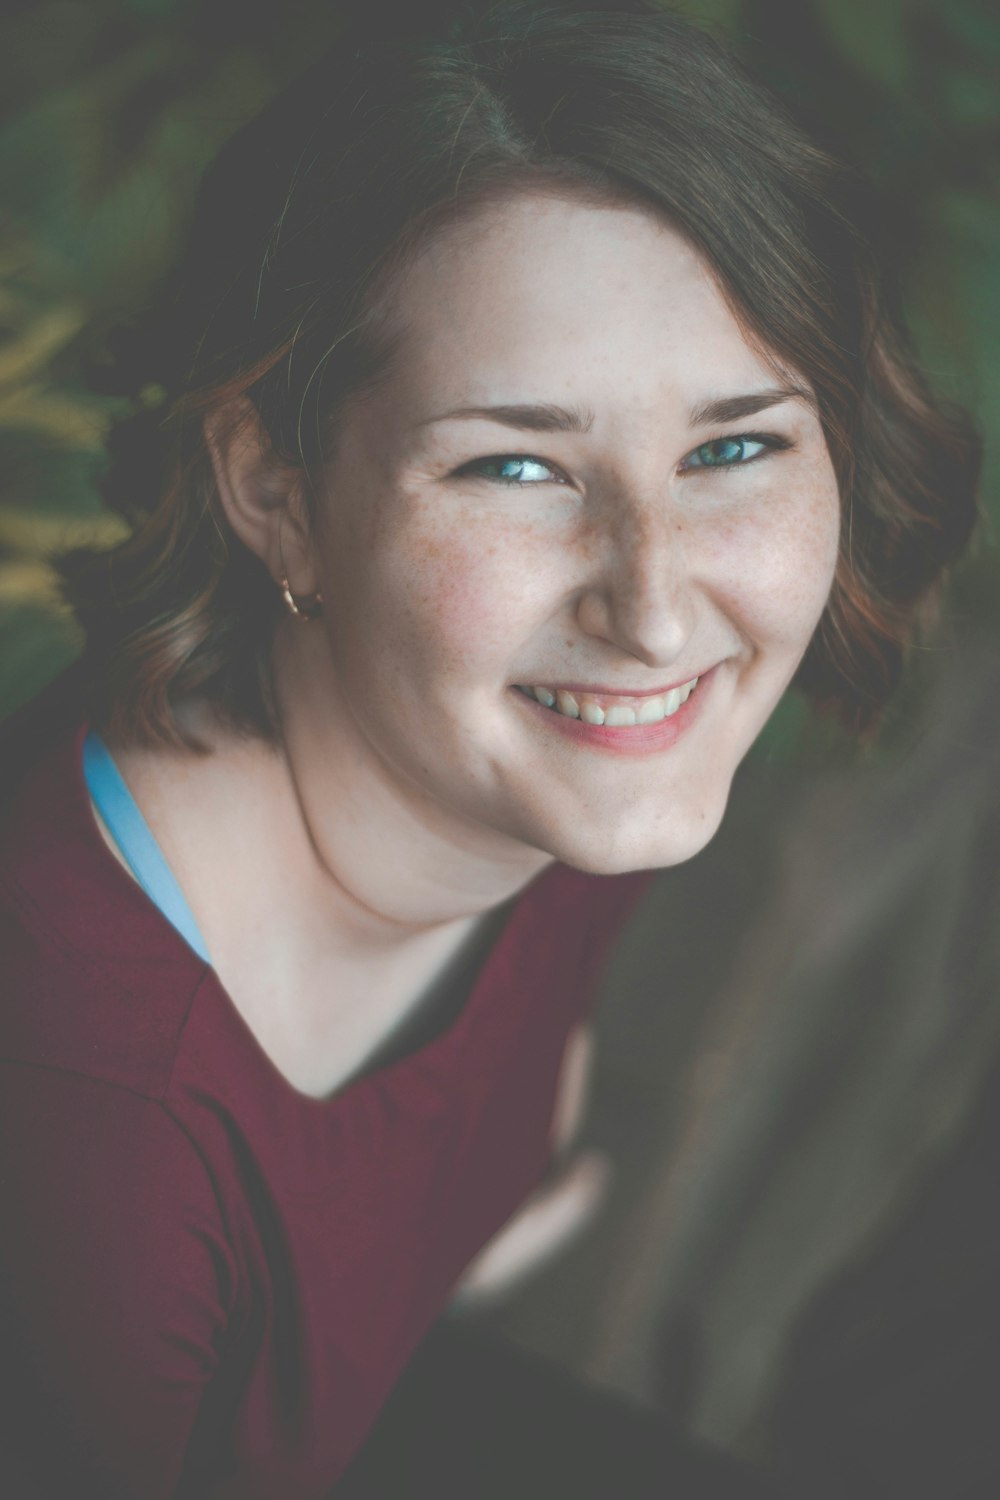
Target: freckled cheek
774, 569
459, 602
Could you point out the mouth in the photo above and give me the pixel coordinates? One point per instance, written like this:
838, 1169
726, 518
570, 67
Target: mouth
612, 722
617, 710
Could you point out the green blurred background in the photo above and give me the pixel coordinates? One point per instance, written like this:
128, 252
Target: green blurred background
112, 108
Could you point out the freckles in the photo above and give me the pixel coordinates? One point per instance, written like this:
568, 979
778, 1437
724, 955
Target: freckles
819, 535
466, 593
776, 561
807, 577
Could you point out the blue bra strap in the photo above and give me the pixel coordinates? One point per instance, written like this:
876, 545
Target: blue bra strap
134, 838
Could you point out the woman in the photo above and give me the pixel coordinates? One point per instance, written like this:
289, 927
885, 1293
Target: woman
534, 418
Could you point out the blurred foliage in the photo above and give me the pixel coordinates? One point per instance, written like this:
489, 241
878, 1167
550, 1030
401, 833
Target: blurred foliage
109, 111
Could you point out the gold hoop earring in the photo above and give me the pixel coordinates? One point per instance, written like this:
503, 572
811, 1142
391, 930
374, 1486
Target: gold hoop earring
309, 608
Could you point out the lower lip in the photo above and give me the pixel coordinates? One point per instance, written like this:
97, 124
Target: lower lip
624, 739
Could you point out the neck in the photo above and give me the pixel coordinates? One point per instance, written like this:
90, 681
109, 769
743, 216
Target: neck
391, 863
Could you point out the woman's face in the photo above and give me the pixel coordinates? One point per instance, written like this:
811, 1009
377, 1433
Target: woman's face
608, 562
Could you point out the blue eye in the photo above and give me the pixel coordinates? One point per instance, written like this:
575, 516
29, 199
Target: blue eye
505, 463
732, 452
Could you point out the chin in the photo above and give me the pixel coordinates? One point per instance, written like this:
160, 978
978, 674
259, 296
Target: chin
643, 848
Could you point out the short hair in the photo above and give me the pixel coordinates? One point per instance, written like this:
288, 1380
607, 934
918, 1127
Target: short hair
313, 209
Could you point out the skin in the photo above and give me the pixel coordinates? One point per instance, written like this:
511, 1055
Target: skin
425, 787
413, 792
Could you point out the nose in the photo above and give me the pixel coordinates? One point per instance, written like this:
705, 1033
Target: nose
640, 593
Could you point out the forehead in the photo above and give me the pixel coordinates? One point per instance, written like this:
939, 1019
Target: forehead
539, 294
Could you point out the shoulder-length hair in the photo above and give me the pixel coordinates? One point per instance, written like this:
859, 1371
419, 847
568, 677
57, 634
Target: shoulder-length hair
313, 209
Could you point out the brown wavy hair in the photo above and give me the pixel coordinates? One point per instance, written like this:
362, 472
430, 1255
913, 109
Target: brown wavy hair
311, 211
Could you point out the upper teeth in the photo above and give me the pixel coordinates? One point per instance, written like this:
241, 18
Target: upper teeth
604, 709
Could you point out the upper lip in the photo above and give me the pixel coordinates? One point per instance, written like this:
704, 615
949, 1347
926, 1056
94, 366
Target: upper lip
612, 692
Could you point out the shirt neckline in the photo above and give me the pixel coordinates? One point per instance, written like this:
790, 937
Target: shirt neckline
429, 1056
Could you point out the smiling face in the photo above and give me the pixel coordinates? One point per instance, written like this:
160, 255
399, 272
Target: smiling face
664, 542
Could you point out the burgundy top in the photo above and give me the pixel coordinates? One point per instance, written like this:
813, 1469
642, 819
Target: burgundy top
210, 1282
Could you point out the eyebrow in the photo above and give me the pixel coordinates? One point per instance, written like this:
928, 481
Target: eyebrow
732, 408
546, 417
540, 417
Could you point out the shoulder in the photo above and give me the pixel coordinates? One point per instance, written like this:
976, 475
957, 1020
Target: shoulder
95, 981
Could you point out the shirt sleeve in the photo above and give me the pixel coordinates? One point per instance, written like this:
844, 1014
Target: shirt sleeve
116, 1282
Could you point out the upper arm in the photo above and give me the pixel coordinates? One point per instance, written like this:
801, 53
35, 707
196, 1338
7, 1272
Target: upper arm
116, 1283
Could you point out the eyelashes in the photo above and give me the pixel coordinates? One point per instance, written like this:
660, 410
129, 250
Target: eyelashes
504, 461
718, 453
764, 442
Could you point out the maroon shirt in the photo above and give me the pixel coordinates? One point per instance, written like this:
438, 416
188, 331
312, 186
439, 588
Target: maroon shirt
210, 1282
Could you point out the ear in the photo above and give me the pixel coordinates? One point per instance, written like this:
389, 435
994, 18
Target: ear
260, 494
